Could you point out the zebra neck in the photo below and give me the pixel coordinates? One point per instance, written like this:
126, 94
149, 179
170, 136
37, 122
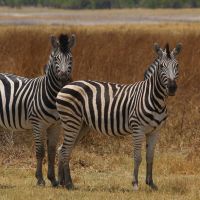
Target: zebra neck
157, 90
151, 69
53, 84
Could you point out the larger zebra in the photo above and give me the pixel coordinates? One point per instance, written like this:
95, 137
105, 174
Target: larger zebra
115, 109
31, 103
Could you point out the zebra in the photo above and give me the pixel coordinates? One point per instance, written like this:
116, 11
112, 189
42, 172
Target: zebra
31, 103
117, 110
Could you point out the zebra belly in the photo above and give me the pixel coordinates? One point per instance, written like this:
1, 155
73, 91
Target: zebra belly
110, 132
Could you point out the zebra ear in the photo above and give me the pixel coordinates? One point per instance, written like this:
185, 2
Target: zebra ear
157, 49
54, 42
45, 69
177, 50
72, 41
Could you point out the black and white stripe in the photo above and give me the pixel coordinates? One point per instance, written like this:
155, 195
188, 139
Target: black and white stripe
114, 109
30, 103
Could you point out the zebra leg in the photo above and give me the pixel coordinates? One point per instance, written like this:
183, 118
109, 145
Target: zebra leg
53, 133
71, 137
150, 146
84, 130
40, 153
138, 139
64, 176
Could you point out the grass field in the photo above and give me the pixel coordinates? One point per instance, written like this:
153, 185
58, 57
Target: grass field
102, 167
104, 175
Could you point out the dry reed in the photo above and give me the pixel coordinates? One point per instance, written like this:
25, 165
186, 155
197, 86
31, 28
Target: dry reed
117, 54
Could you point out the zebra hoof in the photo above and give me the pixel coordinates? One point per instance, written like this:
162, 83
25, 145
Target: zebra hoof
69, 186
55, 183
41, 182
153, 187
135, 186
61, 182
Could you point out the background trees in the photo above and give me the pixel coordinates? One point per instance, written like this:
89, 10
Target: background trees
103, 4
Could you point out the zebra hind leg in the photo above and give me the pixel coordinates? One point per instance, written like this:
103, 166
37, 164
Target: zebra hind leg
84, 130
53, 133
64, 175
71, 138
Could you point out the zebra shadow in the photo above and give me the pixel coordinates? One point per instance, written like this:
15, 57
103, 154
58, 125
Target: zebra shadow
3, 187
172, 189
112, 189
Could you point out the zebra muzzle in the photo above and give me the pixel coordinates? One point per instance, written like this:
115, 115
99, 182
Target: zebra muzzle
172, 87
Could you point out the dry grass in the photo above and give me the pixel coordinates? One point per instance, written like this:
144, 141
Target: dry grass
102, 167
118, 54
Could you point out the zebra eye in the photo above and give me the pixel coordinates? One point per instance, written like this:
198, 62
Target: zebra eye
55, 58
161, 65
57, 69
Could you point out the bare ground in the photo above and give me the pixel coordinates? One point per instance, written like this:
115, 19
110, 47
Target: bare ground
30, 16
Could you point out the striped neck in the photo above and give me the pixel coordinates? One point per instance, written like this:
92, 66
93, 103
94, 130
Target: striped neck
53, 84
151, 69
157, 91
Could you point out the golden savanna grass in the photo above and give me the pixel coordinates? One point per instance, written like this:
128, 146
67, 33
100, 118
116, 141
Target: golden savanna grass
101, 166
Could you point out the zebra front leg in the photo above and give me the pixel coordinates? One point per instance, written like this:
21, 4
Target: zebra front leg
53, 133
150, 146
40, 153
138, 139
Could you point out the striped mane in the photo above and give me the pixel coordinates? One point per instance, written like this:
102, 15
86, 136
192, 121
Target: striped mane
167, 50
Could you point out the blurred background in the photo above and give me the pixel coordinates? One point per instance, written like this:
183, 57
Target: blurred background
114, 43
103, 4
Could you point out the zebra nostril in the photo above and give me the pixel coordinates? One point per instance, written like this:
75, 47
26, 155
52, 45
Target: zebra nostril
62, 74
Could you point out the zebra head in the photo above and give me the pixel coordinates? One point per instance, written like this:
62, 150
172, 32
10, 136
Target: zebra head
61, 56
168, 67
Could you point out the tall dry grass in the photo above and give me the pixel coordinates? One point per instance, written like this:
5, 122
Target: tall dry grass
119, 53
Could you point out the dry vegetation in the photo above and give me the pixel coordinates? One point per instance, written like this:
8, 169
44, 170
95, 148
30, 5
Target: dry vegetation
102, 167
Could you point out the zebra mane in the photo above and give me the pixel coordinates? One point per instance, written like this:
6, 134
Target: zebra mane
167, 50
64, 43
151, 69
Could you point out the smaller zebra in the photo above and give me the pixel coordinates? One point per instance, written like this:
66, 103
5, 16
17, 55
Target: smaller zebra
116, 109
